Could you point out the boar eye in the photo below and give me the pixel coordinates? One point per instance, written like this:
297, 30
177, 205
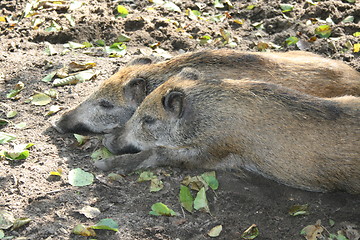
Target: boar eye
105, 104
148, 119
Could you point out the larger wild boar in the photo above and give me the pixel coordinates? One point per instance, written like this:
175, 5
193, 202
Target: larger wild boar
282, 134
119, 96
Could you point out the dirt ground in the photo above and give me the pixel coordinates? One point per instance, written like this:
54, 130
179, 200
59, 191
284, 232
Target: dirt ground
241, 200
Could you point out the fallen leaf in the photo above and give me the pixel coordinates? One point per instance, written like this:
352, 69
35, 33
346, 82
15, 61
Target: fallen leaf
81, 139
20, 125
123, 12
299, 210
170, 6
357, 47
11, 114
53, 109
40, 99
6, 219
186, 199
161, 209
251, 233
210, 179
215, 231
20, 222
6, 137
90, 212
312, 232
156, 185
200, 202
146, 176
101, 153
348, 19
291, 40
323, 31
286, 7
80, 229
106, 224
18, 88
79, 178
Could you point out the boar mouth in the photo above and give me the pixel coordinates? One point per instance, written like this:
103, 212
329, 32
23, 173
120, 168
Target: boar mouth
129, 149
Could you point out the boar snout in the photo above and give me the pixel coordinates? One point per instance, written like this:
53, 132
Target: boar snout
115, 146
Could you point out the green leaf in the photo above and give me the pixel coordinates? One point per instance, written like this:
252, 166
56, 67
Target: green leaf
204, 39
251, 233
106, 224
87, 44
123, 12
351, 1
101, 153
215, 231
324, 31
20, 222
71, 19
159, 209
80, 229
49, 77
291, 40
6, 219
286, 7
100, 43
218, 4
74, 79
53, 109
3, 122
156, 185
331, 222
11, 114
20, 125
348, 19
299, 210
50, 50
40, 99
200, 202
16, 155
123, 38
18, 87
54, 27
146, 176
250, 7
186, 199
356, 34
81, 139
210, 179
6, 137
74, 45
2, 234
170, 6
79, 178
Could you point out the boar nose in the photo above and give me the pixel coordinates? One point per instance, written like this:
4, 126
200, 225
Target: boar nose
130, 149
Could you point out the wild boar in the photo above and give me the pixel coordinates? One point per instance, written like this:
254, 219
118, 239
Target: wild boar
283, 134
118, 97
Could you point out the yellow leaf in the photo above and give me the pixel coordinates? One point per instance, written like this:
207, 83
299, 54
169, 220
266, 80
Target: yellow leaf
2, 19
357, 47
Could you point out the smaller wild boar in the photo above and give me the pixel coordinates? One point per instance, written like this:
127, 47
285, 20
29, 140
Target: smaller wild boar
294, 138
119, 96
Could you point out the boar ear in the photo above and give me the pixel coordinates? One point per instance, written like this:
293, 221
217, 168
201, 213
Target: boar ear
135, 90
140, 61
173, 102
189, 74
